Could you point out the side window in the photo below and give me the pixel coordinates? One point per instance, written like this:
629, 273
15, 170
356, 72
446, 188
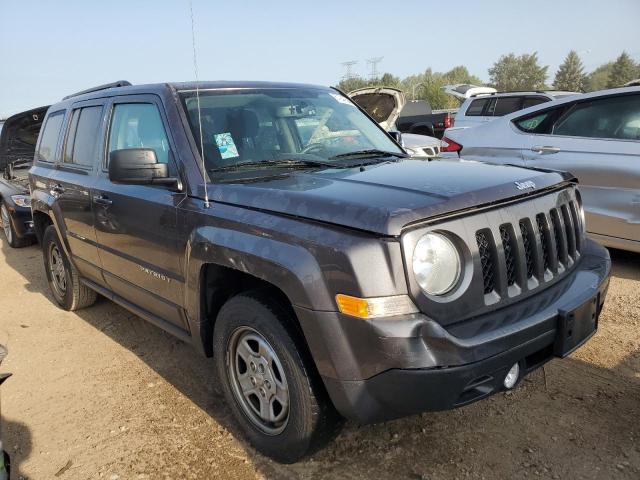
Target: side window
615, 117
476, 107
49, 138
80, 147
138, 125
531, 101
539, 122
506, 105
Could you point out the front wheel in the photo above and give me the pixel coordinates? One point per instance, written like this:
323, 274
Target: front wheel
274, 394
69, 292
9, 232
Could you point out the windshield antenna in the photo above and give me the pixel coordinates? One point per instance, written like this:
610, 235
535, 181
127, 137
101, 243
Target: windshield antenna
195, 68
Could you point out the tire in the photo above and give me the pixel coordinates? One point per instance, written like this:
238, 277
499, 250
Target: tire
64, 282
9, 232
311, 420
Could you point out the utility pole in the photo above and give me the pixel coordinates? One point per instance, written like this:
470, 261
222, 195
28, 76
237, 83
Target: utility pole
349, 74
373, 63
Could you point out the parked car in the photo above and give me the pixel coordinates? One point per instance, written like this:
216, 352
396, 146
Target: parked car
5, 463
17, 146
384, 106
328, 277
595, 136
413, 116
481, 108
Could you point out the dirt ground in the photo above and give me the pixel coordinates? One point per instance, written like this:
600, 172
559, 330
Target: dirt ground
102, 394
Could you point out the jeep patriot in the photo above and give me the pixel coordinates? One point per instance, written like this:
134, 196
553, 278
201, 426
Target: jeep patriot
279, 229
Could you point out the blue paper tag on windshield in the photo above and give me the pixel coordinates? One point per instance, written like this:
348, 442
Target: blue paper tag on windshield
226, 145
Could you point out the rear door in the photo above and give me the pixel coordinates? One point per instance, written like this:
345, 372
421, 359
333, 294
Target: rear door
73, 182
598, 140
136, 225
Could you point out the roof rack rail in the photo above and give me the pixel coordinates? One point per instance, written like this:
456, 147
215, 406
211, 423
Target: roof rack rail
119, 83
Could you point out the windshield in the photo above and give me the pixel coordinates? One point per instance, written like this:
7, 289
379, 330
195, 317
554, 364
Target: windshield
248, 126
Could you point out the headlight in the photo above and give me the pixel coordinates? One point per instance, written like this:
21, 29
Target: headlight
21, 200
436, 264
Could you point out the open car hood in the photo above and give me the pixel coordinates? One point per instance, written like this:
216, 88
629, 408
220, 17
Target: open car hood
383, 104
19, 136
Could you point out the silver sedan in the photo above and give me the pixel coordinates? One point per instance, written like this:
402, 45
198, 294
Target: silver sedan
595, 136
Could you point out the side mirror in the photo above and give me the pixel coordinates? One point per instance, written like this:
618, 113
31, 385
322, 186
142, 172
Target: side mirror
397, 136
139, 166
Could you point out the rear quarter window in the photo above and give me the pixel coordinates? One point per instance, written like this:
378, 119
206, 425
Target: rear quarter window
49, 138
507, 105
476, 107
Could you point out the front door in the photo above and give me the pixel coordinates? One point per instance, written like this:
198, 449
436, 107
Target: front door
599, 142
136, 225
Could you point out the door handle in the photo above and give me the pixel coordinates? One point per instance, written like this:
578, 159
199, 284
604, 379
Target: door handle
102, 200
56, 190
544, 149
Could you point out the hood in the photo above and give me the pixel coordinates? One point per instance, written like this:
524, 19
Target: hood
384, 198
19, 136
462, 91
383, 104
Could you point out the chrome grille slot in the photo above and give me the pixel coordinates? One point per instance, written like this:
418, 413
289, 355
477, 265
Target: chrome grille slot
529, 245
509, 247
577, 226
487, 259
570, 230
560, 237
545, 240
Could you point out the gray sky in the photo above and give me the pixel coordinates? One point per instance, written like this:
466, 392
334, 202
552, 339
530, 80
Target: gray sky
51, 48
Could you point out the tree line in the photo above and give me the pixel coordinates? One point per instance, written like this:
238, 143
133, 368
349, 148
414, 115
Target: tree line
510, 72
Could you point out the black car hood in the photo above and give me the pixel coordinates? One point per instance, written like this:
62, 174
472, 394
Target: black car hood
386, 197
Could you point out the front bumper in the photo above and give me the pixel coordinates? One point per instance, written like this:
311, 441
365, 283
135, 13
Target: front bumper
22, 221
383, 369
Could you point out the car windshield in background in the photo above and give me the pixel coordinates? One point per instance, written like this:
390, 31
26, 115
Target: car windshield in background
276, 127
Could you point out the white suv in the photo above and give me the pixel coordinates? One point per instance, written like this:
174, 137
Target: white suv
482, 108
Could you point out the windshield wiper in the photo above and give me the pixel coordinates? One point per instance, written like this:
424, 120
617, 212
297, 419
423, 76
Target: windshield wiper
276, 163
372, 152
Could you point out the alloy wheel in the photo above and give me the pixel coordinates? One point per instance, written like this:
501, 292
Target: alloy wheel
6, 223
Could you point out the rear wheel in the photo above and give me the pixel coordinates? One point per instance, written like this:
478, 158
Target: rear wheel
63, 278
275, 395
9, 232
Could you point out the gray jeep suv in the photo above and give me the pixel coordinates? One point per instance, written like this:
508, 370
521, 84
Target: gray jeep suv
279, 229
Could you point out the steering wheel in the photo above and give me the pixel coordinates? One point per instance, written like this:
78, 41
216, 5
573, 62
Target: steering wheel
314, 147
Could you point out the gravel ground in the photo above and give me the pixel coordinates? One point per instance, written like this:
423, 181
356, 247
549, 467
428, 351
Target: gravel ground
101, 394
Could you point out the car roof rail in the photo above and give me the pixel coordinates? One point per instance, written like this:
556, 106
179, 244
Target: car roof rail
119, 83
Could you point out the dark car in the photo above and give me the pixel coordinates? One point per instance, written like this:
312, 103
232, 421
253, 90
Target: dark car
17, 146
279, 229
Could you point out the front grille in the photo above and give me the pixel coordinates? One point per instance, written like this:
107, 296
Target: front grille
540, 246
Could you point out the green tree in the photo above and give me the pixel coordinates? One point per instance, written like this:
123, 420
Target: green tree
349, 84
599, 78
623, 70
570, 76
522, 72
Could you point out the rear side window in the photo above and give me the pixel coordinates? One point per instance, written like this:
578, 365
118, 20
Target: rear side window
540, 122
531, 101
49, 138
80, 148
476, 107
138, 125
506, 105
616, 118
